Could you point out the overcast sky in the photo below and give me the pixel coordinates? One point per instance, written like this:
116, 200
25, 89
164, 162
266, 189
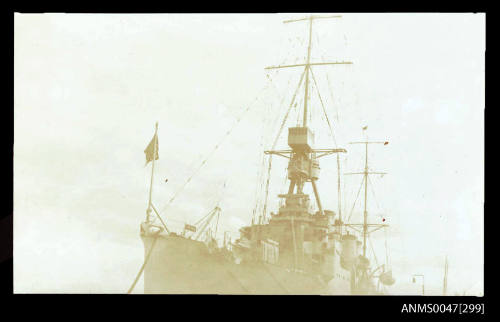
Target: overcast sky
89, 88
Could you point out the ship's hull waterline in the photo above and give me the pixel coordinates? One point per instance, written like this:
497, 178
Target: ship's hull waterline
179, 265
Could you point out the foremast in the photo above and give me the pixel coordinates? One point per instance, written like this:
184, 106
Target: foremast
303, 165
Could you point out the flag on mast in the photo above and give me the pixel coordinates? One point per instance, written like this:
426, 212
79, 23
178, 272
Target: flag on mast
152, 149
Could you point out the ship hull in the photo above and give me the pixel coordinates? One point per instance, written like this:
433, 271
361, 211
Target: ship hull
179, 265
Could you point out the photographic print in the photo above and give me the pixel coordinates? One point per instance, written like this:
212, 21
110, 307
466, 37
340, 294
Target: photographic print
282, 154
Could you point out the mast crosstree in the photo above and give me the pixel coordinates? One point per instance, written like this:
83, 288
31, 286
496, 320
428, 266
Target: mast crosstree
303, 164
307, 65
366, 172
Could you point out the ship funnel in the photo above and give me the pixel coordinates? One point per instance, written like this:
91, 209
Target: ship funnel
349, 251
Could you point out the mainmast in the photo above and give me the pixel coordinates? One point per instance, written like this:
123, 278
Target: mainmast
365, 173
306, 94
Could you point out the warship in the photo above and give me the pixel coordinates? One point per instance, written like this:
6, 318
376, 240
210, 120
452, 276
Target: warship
300, 249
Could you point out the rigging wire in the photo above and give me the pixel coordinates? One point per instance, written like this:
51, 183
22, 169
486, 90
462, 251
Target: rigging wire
373, 193
260, 182
221, 224
373, 251
260, 174
201, 219
385, 229
213, 150
332, 134
344, 203
354, 204
324, 109
386, 249
276, 141
259, 205
333, 100
218, 189
328, 80
217, 223
288, 112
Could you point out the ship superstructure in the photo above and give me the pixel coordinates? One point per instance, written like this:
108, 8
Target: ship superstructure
296, 250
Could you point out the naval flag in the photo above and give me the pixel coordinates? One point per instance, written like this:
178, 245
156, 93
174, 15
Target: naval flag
152, 149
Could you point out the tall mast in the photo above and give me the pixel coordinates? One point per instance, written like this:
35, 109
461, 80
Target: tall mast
307, 71
365, 173
307, 65
301, 151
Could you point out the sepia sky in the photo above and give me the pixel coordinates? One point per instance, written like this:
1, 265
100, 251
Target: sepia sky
89, 88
